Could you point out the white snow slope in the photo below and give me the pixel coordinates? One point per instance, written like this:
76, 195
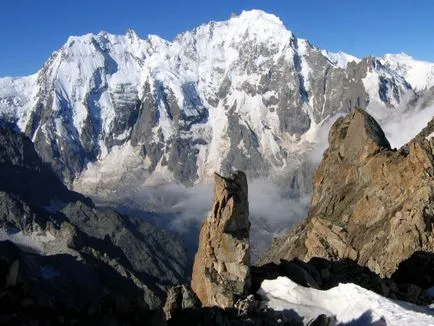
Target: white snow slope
420, 74
349, 303
39, 242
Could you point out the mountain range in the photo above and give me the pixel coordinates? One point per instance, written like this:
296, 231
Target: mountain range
118, 117
117, 137
239, 94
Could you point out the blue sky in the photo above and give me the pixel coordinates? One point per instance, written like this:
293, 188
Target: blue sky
32, 29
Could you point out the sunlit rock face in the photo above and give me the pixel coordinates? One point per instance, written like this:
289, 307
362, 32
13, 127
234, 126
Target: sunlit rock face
370, 203
221, 267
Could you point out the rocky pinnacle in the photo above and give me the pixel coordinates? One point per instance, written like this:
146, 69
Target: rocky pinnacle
221, 266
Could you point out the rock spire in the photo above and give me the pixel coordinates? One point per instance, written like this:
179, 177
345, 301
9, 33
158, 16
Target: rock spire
221, 266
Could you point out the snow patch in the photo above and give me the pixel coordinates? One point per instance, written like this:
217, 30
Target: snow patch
372, 87
340, 59
117, 166
431, 135
42, 243
347, 302
29, 242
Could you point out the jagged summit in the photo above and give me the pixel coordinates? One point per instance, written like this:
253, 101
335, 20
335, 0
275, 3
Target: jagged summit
259, 22
397, 56
255, 21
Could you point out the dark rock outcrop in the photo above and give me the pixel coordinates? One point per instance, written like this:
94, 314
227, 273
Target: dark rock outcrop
221, 266
70, 252
179, 298
370, 204
59, 289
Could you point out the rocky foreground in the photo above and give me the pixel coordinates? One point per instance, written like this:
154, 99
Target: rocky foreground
370, 225
65, 260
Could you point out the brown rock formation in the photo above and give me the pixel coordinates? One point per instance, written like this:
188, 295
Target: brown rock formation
370, 203
221, 266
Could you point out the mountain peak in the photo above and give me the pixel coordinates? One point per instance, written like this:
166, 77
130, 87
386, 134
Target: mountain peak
258, 16
85, 38
260, 22
103, 91
420, 74
131, 33
340, 59
398, 56
249, 26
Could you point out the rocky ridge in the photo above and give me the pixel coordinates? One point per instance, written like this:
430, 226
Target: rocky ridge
69, 253
214, 300
371, 204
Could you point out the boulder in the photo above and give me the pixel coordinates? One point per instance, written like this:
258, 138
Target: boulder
221, 266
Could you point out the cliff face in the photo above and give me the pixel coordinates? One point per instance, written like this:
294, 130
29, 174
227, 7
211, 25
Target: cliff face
370, 203
221, 266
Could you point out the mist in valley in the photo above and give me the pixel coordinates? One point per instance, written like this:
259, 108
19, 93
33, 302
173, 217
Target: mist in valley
276, 203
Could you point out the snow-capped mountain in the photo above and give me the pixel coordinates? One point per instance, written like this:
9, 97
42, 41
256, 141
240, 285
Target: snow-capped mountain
420, 74
245, 93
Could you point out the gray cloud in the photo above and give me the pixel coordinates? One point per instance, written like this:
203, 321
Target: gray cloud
403, 124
